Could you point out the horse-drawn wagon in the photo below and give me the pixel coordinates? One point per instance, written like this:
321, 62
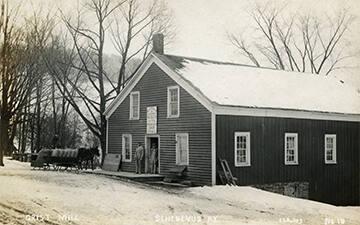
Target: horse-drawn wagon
65, 159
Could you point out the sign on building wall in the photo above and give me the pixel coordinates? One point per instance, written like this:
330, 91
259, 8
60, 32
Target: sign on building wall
151, 120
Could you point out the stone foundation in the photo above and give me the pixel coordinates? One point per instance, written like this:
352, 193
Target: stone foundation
293, 189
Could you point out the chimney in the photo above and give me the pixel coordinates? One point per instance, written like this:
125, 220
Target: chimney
158, 43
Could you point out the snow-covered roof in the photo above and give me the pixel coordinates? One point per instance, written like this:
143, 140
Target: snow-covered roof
232, 84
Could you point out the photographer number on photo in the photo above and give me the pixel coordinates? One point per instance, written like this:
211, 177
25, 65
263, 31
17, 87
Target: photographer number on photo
291, 220
184, 219
332, 221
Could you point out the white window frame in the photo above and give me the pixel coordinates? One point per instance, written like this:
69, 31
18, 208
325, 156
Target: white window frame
168, 102
131, 105
123, 147
333, 161
247, 152
178, 150
296, 143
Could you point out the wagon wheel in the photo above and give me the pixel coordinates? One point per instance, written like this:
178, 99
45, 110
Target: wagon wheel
57, 167
74, 167
78, 166
67, 168
84, 165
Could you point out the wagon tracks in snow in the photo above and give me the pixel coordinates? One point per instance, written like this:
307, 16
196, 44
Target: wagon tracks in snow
171, 208
12, 215
7, 218
16, 216
37, 203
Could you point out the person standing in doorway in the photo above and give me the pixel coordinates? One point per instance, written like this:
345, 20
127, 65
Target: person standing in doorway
139, 155
153, 158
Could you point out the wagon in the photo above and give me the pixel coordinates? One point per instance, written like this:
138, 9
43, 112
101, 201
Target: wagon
56, 159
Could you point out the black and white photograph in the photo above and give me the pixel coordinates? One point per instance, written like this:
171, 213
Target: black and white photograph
216, 112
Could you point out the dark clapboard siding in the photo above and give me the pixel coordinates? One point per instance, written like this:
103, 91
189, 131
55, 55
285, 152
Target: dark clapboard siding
336, 184
194, 119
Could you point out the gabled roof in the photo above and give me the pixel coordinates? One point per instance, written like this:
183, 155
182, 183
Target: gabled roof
222, 84
241, 85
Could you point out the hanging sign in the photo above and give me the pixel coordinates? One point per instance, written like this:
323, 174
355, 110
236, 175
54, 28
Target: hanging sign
151, 120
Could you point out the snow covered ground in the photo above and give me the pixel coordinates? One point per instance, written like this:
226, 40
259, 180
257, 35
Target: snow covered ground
48, 197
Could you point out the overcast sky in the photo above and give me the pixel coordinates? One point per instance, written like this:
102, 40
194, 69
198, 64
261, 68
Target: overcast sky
201, 25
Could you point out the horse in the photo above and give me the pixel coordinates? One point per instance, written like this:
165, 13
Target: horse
87, 155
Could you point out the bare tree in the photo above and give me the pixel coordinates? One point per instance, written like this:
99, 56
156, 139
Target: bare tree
81, 77
65, 83
40, 29
135, 24
85, 60
300, 43
16, 75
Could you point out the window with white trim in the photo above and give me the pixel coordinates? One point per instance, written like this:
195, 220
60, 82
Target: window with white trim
291, 148
126, 147
182, 148
242, 148
330, 148
134, 105
173, 101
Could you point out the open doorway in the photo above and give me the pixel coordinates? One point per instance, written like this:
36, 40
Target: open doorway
152, 154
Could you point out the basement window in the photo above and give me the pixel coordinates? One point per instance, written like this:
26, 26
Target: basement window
173, 102
291, 149
126, 147
242, 148
182, 149
330, 148
134, 105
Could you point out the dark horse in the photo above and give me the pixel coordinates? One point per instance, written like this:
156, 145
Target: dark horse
86, 155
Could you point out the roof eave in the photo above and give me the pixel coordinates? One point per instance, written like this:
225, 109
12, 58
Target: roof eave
283, 113
115, 103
